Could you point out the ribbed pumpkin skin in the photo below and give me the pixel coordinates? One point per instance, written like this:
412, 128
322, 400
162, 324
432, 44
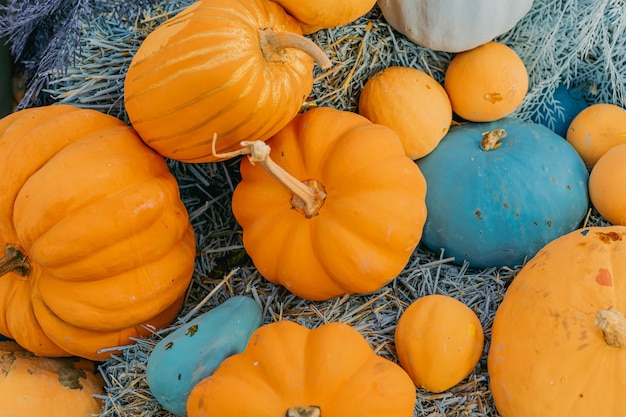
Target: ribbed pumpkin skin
369, 224
32, 386
547, 356
288, 365
499, 207
99, 216
204, 72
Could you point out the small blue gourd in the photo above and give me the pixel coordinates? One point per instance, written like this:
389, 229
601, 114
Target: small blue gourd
567, 103
498, 192
193, 351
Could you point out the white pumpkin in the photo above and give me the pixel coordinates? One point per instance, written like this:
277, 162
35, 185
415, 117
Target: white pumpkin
453, 25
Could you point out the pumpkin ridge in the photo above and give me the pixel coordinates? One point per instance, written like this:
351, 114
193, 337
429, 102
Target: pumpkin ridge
243, 70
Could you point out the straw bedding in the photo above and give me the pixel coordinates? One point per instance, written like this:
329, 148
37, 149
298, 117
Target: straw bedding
578, 43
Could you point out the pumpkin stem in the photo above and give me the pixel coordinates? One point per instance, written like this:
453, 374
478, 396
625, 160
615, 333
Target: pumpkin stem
613, 326
310, 411
308, 197
14, 260
491, 139
273, 45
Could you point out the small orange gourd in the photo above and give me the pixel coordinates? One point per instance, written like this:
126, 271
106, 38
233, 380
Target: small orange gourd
607, 185
96, 241
330, 205
290, 370
439, 341
238, 68
410, 102
558, 340
486, 83
33, 386
597, 129
324, 14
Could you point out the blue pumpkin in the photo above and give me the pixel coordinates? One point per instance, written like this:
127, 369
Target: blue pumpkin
566, 103
193, 351
498, 207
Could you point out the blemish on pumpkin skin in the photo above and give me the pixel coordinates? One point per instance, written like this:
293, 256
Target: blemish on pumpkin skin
478, 214
493, 97
604, 278
609, 237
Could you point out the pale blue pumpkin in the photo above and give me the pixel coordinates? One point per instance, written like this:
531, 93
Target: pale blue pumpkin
498, 207
193, 351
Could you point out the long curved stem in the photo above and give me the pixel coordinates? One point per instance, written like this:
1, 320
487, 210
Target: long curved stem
273, 45
308, 197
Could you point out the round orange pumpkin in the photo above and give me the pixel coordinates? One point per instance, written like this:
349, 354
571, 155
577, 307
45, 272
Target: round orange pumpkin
238, 68
33, 386
597, 129
323, 14
558, 345
336, 208
607, 185
412, 103
97, 241
486, 83
290, 370
439, 341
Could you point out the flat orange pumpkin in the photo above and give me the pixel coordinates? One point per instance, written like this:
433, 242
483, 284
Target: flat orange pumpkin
342, 210
292, 371
97, 242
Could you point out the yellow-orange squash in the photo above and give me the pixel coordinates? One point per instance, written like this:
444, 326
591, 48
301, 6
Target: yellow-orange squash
33, 386
323, 14
290, 370
96, 240
558, 344
412, 103
341, 209
607, 185
238, 68
439, 341
486, 83
597, 129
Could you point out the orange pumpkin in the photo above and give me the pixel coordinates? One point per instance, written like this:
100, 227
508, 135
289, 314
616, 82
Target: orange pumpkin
96, 239
607, 185
324, 14
32, 386
335, 207
238, 68
412, 103
439, 341
597, 129
558, 344
289, 370
486, 83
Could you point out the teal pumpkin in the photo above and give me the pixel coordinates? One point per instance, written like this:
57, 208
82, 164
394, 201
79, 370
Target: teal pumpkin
193, 351
499, 191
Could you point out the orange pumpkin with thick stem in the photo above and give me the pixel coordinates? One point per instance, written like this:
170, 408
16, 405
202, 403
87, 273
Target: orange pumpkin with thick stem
238, 68
33, 386
334, 207
558, 340
607, 185
97, 242
290, 370
324, 14
486, 83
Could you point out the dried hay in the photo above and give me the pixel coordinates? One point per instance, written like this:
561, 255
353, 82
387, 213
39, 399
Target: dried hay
569, 42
